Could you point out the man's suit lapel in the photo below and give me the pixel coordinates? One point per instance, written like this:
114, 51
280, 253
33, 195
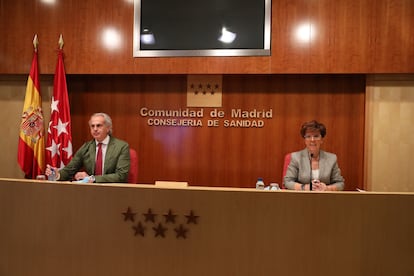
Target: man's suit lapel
109, 153
92, 155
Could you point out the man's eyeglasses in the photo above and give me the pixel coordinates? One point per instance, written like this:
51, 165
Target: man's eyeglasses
312, 137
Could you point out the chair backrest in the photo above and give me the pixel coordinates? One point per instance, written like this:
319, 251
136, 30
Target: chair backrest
285, 166
133, 168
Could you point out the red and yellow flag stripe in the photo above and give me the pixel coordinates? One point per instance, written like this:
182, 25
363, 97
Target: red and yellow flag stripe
31, 147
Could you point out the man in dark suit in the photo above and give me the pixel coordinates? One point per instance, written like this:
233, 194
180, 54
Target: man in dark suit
103, 159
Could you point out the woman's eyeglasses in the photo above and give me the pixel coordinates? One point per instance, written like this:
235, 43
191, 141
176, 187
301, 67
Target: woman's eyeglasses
312, 137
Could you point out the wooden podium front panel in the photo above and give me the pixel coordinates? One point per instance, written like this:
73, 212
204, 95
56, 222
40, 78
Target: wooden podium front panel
76, 229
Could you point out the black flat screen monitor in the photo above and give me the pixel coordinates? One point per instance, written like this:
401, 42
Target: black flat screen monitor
165, 28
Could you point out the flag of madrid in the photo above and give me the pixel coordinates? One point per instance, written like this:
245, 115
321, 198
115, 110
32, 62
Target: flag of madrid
59, 139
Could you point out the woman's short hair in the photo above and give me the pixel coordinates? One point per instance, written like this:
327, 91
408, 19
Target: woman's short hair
313, 126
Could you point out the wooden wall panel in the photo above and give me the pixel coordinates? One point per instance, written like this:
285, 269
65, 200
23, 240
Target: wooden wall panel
389, 146
226, 156
340, 33
396, 23
287, 54
351, 36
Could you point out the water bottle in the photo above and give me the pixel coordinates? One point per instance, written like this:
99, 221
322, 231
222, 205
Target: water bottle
52, 176
260, 184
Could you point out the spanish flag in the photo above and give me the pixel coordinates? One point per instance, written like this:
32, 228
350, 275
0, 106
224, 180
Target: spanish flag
31, 147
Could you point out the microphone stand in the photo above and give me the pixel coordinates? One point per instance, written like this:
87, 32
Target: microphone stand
310, 163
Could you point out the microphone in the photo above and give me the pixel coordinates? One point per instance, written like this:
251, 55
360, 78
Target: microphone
310, 163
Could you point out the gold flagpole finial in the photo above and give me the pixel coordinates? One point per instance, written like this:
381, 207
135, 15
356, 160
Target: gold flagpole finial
61, 43
35, 42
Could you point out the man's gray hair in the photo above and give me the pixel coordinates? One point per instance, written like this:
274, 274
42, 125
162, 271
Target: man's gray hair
108, 120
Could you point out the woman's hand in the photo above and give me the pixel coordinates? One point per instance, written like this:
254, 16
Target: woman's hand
318, 186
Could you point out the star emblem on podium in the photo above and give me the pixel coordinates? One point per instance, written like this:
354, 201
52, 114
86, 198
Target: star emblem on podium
180, 232
159, 230
150, 216
191, 218
170, 217
129, 215
139, 229
160, 224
